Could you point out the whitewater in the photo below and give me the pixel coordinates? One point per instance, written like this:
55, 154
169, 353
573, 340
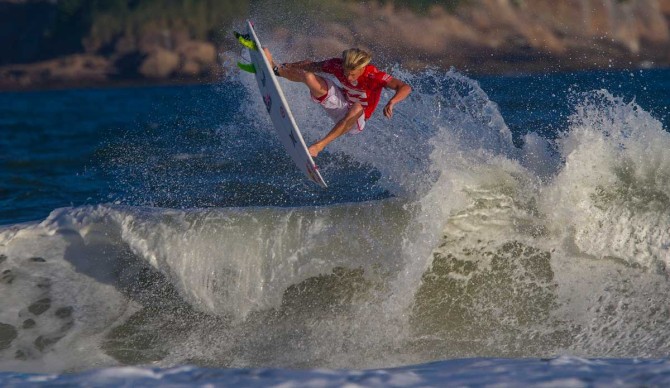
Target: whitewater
447, 240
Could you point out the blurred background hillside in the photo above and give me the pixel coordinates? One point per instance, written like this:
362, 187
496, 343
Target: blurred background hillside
64, 43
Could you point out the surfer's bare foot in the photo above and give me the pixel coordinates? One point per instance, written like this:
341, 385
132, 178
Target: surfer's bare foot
269, 56
275, 68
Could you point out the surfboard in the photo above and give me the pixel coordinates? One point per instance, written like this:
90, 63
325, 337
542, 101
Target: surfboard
277, 107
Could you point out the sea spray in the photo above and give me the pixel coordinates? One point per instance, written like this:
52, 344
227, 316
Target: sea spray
511, 274
611, 196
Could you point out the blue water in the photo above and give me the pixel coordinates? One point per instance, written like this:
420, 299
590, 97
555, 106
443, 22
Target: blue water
500, 229
148, 146
58, 145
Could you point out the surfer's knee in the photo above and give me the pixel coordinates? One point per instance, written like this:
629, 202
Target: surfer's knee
317, 85
353, 115
313, 79
355, 112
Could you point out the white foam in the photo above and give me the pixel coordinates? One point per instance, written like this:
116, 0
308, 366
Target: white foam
611, 196
64, 279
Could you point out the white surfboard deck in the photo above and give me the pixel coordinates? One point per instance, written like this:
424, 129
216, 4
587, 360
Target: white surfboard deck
280, 113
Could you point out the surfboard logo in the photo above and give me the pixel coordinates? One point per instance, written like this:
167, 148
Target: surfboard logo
268, 102
282, 112
292, 137
263, 78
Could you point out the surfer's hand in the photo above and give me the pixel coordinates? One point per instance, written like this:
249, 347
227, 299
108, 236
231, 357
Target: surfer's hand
388, 109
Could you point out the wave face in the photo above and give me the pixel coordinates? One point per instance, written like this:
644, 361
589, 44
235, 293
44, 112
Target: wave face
470, 244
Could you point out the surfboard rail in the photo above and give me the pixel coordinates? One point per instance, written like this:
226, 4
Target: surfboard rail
279, 109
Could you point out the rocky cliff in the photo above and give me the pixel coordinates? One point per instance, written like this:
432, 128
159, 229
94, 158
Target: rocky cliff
496, 36
480, 36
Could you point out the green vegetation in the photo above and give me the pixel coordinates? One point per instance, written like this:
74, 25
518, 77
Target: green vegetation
201, 19
100, 22
107, 27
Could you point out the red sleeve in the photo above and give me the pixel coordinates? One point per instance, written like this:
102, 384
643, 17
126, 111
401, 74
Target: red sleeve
381, 79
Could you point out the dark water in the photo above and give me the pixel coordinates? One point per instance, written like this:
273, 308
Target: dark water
494, 220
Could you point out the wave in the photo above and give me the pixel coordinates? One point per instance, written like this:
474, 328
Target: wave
483, 248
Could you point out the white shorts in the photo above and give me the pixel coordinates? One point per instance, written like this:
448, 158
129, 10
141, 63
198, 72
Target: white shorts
337, 106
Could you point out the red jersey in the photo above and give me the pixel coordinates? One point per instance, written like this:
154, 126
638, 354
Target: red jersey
367, 88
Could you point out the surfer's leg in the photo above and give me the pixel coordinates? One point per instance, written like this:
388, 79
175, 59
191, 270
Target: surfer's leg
343, 126
317, 85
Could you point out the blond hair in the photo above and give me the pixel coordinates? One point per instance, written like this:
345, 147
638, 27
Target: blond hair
355, 59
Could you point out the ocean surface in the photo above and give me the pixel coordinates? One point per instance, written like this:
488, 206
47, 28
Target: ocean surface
507, 230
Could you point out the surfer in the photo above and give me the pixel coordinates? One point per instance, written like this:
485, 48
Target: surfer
351, 105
